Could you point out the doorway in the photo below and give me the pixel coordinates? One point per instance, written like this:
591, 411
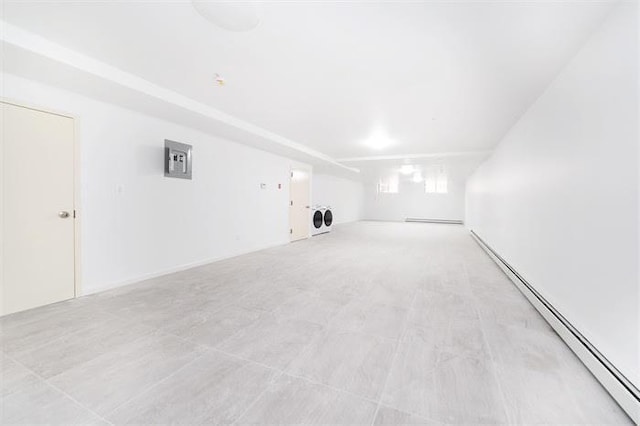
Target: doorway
299, 204
37, 257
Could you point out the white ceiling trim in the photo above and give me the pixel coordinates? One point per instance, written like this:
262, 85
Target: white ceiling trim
415, 156
19, 37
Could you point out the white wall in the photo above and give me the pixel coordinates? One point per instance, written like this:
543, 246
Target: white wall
137, 223
345, 197
412, 201
558, 199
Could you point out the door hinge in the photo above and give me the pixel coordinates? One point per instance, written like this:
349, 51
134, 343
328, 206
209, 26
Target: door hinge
291, 231
291, 203
74, 214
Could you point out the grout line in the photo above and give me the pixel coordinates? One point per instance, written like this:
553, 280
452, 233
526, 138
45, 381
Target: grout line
246, 360
255, 401
64, 335
205, 350
47, 383
280, 371
284, 373
295, 376
395, 356
304, 378
315, 382
230, 304
150, 387
411, 413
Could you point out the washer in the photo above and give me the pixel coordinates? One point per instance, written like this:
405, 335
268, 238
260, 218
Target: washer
328, 219
317, 220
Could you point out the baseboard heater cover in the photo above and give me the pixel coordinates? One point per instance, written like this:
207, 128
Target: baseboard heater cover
619, 387
420, 220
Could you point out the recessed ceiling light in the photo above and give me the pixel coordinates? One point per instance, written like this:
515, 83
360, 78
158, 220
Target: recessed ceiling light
406, 169
232, 16
378, 140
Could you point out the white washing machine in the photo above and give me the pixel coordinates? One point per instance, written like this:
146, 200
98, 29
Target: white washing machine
321, 219
317, 220
328, 219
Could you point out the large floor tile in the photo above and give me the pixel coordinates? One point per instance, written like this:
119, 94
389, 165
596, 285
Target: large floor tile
391, 416
512, 313
28, 330
386, 293
212, 328
307, 306
440, 384
350, 361
74, 349
267, 298
115, 377
346, 287
537, 397
449, 279
133, 299
170, 310
543, 382
272, 341
459, 333
441, 308
39, 403
295, 401
371, 318
14, 376
214, 389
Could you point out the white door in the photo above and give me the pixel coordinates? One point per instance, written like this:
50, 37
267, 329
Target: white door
299, 208
38, 241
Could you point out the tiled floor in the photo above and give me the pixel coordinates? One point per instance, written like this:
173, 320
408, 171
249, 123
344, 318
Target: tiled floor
383, 323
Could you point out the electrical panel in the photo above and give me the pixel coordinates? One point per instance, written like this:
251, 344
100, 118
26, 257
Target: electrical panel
177, 159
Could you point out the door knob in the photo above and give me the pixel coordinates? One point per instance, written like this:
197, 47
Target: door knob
63, 214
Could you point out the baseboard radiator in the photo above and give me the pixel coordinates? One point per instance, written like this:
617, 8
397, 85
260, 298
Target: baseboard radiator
620, 388
421, 220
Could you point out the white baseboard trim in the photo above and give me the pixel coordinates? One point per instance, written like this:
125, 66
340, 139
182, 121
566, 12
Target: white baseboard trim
183, 267
415, 220
427, 220
618, 386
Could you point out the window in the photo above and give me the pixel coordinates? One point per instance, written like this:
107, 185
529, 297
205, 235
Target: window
435, 180
429, 184
441, 183
389, 185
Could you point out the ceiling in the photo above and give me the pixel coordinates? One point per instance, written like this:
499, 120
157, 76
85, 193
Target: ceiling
432, 77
